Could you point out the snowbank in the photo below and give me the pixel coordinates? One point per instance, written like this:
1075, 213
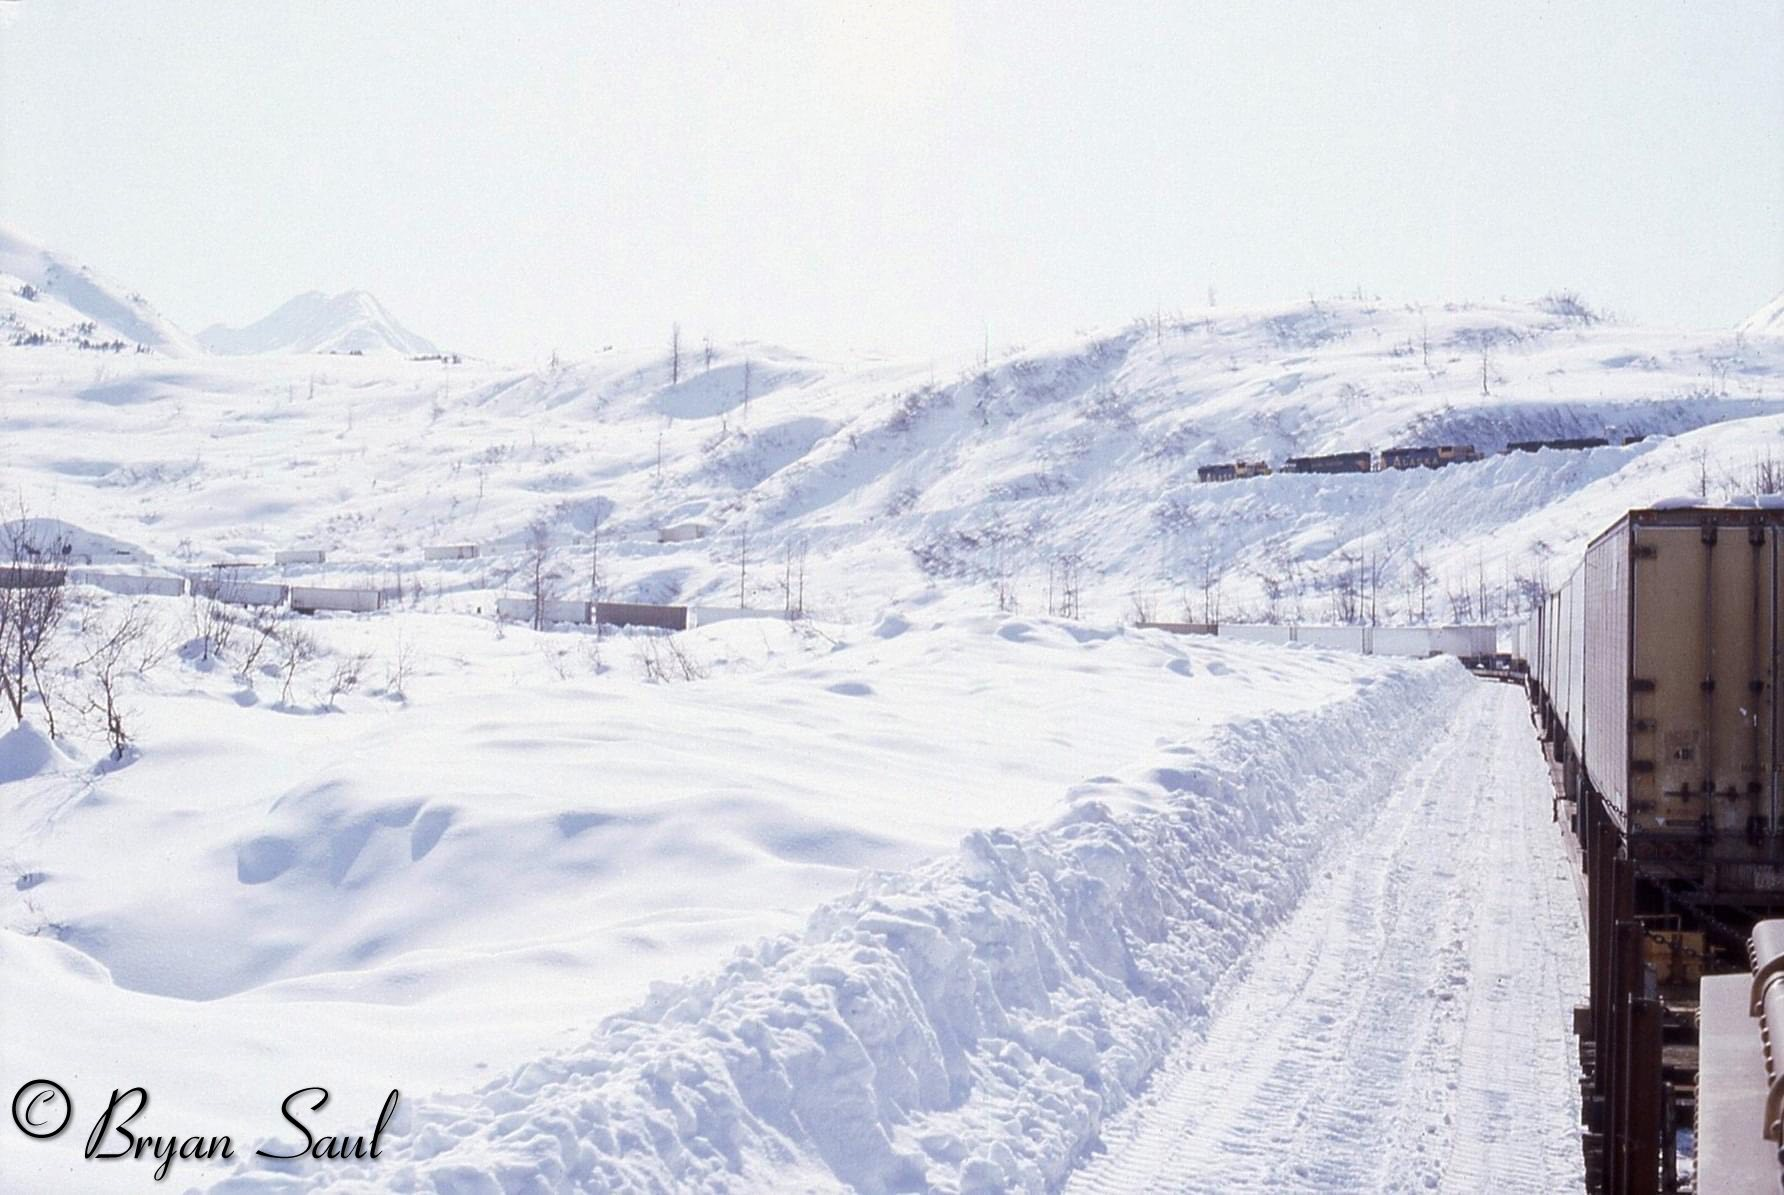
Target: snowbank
967, 1026
26, 751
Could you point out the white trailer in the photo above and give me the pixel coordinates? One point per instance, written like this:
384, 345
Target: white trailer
681, 533
520, 609
309, 599
300, 556
130, 584
1464, 642
450, 552
700, 616
239, 593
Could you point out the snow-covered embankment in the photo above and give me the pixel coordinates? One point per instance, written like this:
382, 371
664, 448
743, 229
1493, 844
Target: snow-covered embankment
966, 1026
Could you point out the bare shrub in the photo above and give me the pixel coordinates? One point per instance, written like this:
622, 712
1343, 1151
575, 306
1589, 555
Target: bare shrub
213, 626
664, 659
297, 647
346, 675
33, 600
115, 649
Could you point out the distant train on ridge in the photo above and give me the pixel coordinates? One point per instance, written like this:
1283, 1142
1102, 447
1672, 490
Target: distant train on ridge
1422, 457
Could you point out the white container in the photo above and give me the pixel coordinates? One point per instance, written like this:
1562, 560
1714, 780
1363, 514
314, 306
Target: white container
308, 599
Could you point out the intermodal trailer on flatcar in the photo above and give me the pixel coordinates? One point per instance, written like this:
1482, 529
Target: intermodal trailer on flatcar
1681, 722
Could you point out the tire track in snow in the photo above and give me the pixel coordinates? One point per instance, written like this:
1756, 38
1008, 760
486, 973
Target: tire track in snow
1405, 1030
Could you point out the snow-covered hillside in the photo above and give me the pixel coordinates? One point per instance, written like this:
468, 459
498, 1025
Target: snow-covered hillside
1077, 459
47, 299
350, 322
1767, 321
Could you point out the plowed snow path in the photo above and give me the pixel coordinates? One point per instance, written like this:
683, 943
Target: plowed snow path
1406, 1029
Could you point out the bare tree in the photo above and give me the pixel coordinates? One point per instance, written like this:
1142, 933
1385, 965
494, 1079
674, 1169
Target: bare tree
537, 563
1003, 576
743, 563
213, 625
1211, 576
297, 647
746, 388
33, 600
1418, 587
1461, 601
402, 663
262, 627
799, 578
792, 580
346, 675
596, 589
115, 649
1142, 607
674, 354
1064, 585
1345, 589
664, 659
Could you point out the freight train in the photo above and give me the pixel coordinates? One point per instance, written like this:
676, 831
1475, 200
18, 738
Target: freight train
1653, 673
1423, 457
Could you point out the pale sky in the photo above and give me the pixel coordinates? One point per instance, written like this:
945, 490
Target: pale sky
512, 177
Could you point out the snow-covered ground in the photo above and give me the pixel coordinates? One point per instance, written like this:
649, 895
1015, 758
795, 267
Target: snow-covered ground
1406, 1030
422, 893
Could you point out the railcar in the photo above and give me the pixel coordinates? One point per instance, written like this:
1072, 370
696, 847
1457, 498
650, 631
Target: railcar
1653, 671
1431, 457
1338, 462
1571, 445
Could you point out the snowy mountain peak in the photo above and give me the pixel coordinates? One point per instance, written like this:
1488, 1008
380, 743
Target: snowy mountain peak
46, 298
1767, 321
350, 322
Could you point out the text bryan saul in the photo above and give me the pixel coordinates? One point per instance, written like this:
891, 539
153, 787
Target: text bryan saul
35, 1112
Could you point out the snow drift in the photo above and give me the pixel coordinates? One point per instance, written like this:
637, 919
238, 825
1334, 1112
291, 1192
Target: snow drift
967, 1026
26, 751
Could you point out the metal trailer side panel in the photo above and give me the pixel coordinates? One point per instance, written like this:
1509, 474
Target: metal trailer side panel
1467, 641
240, 593
1606, 574
1563, 650
1416, 642
700, 616
354, 601
1578, 729
637, 614
1334, 638
130, 584
520, 609
1256, 632
1703, 705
